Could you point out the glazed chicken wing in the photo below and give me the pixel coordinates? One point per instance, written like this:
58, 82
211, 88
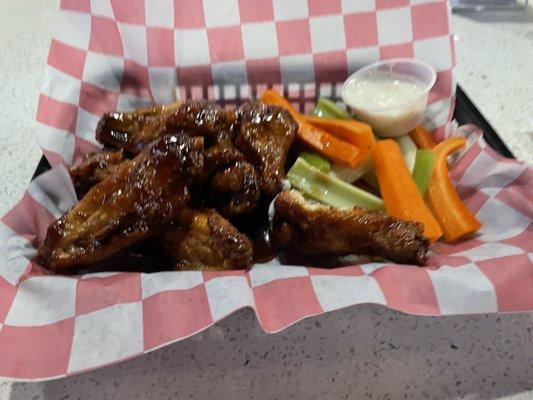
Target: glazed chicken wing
95, 168
137, 202
313, 229
230, 183
264, 136
132, 131
204, 240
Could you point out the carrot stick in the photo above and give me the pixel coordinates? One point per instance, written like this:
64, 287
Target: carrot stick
422, 138
329, 146
355, 132
454, 218
398, 189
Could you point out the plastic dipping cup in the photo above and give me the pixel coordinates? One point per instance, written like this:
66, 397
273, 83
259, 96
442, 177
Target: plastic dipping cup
390, 95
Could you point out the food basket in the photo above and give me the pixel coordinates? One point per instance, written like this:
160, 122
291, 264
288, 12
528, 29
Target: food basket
108, 55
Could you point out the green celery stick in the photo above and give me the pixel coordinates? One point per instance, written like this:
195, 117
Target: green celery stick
329, 190
408, 148
325, 108
316, 161
424, 161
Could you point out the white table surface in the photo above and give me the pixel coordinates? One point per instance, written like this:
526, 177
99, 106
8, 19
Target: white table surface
364, 351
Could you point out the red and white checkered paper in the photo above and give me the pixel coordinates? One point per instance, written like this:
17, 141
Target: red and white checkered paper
112, 54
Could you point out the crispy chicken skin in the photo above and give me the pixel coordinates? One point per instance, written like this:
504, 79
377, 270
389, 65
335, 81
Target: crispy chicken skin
313, 229
95, 168
264, 136
131, 131
137, 202
204, 240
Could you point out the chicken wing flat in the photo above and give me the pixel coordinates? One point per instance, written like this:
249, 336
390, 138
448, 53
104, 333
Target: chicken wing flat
132, 131
313, 229
264, 136
95, 168
204, 240
136, 202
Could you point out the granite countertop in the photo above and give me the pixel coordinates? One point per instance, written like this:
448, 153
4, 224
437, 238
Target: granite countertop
363, 351
494, 66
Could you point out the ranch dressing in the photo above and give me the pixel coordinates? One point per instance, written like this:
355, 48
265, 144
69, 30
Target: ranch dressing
391, 103
382, 91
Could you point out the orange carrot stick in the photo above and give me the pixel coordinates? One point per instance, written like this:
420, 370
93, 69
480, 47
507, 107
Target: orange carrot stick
398, 189
355, 132
422, 138
454, 218
318, 139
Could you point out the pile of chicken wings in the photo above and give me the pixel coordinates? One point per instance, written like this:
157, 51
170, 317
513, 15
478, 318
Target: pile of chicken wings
198, 179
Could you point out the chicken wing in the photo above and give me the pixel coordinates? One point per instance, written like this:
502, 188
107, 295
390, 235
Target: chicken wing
132, 131
264, 136
313, 229
95, 168
235, 189
230, 183
204, 240
139, 200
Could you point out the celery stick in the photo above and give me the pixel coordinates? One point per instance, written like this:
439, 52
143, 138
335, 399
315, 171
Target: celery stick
325, 108
423, 169
316, 161
329, 190
408, 148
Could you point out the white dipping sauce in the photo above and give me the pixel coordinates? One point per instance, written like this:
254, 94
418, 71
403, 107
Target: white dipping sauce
383, 91
392, 104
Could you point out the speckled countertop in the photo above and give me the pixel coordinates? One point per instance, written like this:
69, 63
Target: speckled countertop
362, 352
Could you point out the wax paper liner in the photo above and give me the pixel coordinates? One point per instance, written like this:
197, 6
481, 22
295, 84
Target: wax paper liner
111, 55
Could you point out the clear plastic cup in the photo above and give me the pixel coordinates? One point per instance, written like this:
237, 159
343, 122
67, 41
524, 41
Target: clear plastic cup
395, 113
